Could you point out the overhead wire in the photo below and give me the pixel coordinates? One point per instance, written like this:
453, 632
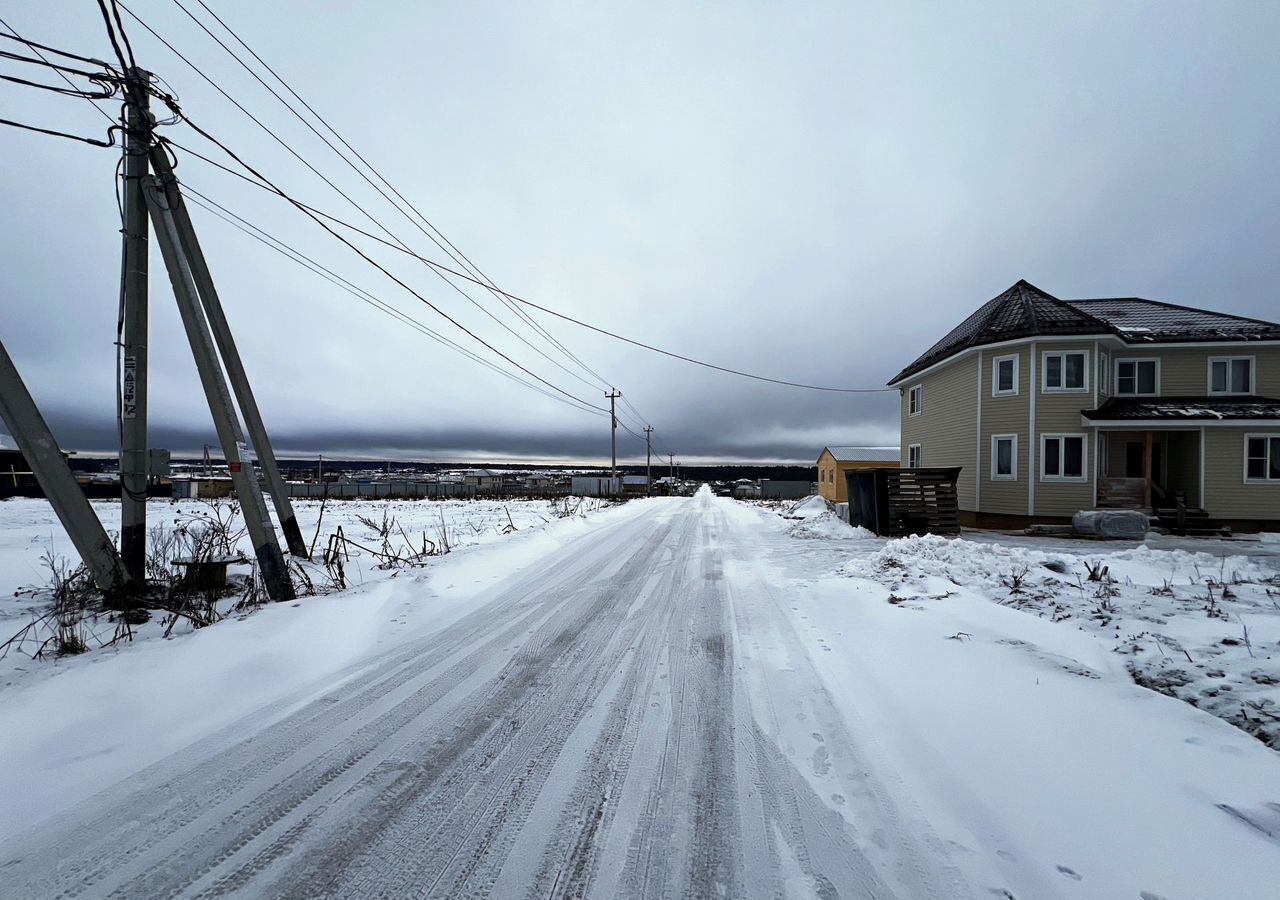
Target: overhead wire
370, 260
435, 235
267, 239
400, 244
518, 299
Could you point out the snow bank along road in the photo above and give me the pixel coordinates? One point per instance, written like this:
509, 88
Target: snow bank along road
646, 711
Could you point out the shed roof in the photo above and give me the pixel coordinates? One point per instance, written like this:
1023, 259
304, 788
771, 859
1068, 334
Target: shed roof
865, 454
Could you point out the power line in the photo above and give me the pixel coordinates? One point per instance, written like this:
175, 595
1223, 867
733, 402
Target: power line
267, 239
518, 299
263, 179
401, 244
110, 142
448, 246
37, 48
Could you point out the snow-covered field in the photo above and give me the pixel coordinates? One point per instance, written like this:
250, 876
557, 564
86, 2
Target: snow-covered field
30, 534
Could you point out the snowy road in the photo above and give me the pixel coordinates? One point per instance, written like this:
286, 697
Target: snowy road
599, 724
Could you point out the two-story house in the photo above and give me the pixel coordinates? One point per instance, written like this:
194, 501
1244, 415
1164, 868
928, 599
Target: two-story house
1053, 406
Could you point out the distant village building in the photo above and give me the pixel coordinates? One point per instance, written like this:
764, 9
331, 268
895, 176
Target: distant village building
833, 462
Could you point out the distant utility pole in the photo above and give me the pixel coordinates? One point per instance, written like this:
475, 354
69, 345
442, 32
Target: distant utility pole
319, 468
671, 462
648, 462
613, 431
133, 386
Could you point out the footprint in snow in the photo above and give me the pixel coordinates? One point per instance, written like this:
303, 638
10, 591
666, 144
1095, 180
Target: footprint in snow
821, 761
1070, 873
1148, 895
837, 799
817, 737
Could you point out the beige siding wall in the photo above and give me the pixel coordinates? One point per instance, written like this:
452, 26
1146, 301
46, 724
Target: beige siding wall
947, 428
1184, 372
1059, 413
1005, 415
829, 484
1226, 495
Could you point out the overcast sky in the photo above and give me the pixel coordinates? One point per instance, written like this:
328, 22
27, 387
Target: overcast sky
813, 192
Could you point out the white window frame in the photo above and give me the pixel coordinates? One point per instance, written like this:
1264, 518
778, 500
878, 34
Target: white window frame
1253, 376
1266, 460
1135, 360
1083, 477
913, 449
995, 375
995, 443
912, 400
1044, 372
1104, 373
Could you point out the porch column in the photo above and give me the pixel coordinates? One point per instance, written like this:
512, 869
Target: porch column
1146, 468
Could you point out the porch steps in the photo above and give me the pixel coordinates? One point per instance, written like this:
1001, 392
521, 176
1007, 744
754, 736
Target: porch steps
1197, 522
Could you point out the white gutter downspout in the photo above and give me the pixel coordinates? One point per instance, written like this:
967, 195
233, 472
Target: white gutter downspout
1031, 442
977, 456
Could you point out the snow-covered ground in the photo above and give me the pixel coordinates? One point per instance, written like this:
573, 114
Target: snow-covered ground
1002, 692
677, 697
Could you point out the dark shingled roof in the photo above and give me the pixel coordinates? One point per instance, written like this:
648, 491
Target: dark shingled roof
1186, 408
1137, 320
1026, 311
1022, 311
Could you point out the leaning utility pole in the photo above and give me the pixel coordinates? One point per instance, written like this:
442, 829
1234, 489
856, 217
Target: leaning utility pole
613, 432
161, 200
212, 306
133, 387
67, 498
648, 462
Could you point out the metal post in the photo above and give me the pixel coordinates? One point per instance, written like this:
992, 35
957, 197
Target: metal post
36, 442
648, 460
275, 575
231, 358
133, 388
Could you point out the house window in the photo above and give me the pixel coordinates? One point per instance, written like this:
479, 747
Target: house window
1004, 457
1065, 371
1262, 457
915, 400
1231, 375
1062, 457
1004, 376
1137, 377
913, 456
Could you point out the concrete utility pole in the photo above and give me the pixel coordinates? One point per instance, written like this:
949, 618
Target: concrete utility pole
275, 575
133, 387
50, 467
671, 471
613, 431
231, 360
648, 461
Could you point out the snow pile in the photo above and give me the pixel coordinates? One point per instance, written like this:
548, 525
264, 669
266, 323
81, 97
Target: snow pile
827, 526
809, 507
920, 559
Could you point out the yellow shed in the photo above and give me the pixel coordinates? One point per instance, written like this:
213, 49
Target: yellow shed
835, 461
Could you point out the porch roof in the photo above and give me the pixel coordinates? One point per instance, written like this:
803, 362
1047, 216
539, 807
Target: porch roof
1164, 409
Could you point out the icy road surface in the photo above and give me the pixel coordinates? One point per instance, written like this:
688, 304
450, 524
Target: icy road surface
587, 730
